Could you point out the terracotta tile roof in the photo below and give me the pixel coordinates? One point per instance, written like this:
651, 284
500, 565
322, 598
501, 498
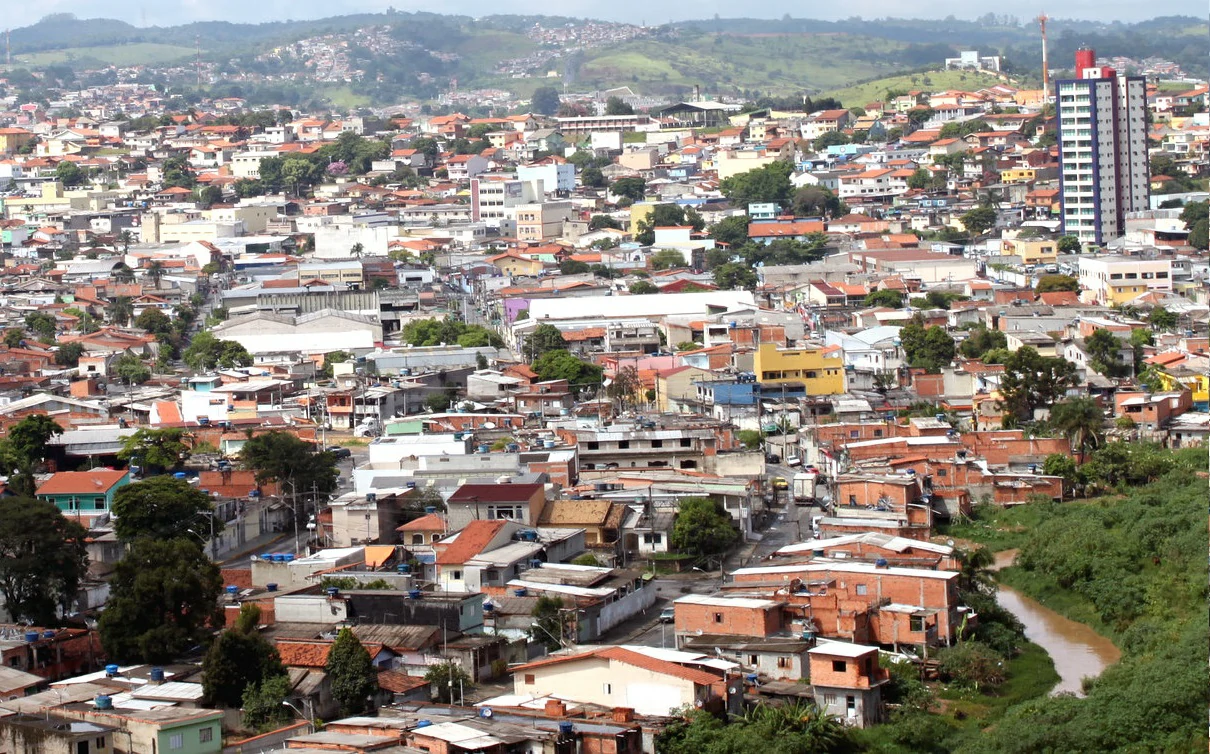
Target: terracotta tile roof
297, 653
587, 333
634, 659
81, 482
763, 230
430, 522
399, 683
471, 540
1059, 298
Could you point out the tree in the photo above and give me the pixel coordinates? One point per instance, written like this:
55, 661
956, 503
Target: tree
1104, 350
14, 338
206, 352
768, 184
816, 200
599, 222
262, 703
68, 354
666, 215
592, 177
624, 386
70, 174
973, 665
561, 365
284, 458
1199, 234
929, 349
547, 628
885, 298
1068, 245
122, 274
448, 682
703, 527
42, 560
574, 267
545, 100
666, 259
616, 106
1049, 283
238, 659
1081, 421
157, 449
979, 220
980, 340
544, 339
164, 507
634, 189
643, 287
351, 673
41, 324
1032, 381
131, 369
120, 310
919, 179
732, 231
734, 276
209, 196
153, 321
163, 600
829, 139
1162, 319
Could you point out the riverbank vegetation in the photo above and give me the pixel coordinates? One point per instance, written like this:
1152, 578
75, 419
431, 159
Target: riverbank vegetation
1131, 565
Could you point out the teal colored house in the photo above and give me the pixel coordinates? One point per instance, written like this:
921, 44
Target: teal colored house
83, 492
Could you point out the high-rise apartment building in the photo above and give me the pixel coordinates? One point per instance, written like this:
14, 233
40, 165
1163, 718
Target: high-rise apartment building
1102, 149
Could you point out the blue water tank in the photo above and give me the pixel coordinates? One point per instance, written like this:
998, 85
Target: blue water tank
157, 674
266, 556
111, 670
31, 636
287, 558
179, 475
414, 594
566, 729
751, 677
48, 634
271, 587
333, 591
521, 592
430, 509
232, 589
104, 702
880, 563
423, 723
484, 448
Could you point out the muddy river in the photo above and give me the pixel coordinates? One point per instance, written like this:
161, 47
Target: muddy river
1077, 651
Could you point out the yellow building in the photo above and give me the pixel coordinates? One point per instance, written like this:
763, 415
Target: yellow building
639, 212
1032, 250
1197, 383
12, 139
823, 375
675, 390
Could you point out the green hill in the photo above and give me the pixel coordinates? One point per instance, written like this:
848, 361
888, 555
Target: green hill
871, 91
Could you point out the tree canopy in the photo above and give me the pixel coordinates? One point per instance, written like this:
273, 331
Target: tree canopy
560, 364
164, 507
351, 673
768, 184
929, 349
237, 659
294, 463
448, 331
544, 339
545, 100
163, 600
155, 449
1048, 283
1032, 381
702, 527
42, 560
206, 353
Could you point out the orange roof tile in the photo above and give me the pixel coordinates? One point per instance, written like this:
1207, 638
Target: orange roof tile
469, 542
80, 482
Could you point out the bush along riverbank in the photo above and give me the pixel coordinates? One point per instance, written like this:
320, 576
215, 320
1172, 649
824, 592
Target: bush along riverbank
1132, 566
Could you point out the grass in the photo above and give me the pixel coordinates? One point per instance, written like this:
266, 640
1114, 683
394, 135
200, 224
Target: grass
342, 97
1030, 674
871, 91
139, 53
782, 63
996, 528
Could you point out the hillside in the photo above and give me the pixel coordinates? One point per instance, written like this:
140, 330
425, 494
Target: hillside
875, 90
389, 56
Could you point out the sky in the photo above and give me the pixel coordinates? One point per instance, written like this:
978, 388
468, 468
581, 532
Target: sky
182, 11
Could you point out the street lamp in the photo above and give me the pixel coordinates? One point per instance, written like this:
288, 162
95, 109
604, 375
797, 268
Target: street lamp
297, 711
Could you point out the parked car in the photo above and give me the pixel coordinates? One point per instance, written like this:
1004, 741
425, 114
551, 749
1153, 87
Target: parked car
779, 483
668, 614
339, 452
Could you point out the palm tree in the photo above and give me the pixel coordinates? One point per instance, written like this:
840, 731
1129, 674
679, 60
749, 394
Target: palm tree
356, 250
155, 271
120, 310
126, 237
123, 274
1081, 421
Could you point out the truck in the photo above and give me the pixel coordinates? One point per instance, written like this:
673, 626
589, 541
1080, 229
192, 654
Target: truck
804, 485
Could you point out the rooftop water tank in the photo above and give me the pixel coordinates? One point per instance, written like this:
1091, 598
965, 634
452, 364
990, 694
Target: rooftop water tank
103, 702
157, 675
333, 591
287, 558
522, 592
31, 636
112, 670
566, 729
232, 589
430, 509
271, 587
548, 444
414, 594
423, 723
48, 634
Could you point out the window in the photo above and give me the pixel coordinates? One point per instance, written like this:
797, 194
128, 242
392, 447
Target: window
862, 589
417, 539
593, 445
685, 442
623, 444
942, 472
205, 735
176, 741
653, 539
529, 679
657, 443
608, 688
753, 659
839, 666
718, 617
456, 575
829, 699
916, 623
99, 743
878, 433
853, 500
853, 434
81, 747
783, 662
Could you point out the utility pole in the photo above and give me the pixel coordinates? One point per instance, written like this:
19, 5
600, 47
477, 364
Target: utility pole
197, 41
1042, 19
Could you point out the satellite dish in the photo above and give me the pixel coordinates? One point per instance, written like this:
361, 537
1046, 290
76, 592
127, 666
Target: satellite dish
486, 712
